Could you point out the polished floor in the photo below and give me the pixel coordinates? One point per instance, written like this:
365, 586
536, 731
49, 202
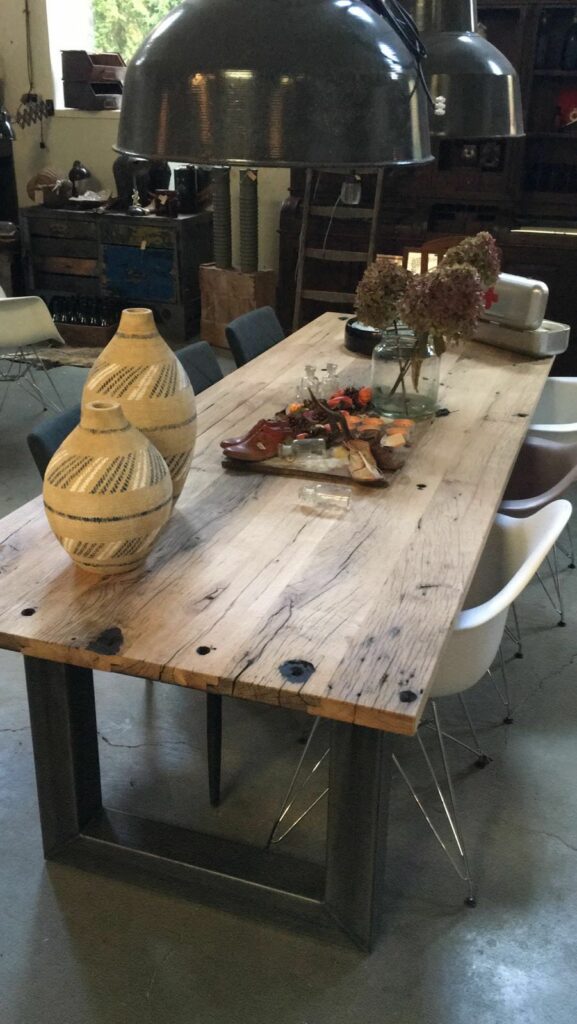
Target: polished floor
85, 948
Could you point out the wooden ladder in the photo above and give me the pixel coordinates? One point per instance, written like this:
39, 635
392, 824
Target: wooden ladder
333, 255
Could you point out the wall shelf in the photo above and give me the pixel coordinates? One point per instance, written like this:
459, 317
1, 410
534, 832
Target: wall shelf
554, 73
565, 136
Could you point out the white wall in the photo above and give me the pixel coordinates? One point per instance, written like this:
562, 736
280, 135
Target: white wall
82, 135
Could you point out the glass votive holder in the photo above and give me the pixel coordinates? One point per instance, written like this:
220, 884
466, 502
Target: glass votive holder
303, 448
334, 497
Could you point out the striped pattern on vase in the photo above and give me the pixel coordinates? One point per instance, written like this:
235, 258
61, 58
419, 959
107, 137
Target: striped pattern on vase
107, 492
138, 370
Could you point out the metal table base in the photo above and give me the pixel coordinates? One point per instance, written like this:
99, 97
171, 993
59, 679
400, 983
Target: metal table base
346, 891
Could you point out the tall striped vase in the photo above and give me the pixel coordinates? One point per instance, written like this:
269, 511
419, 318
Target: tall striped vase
138, 370
107, 492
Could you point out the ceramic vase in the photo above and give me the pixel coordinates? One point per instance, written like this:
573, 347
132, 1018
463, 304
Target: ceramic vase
107, 492
138, 370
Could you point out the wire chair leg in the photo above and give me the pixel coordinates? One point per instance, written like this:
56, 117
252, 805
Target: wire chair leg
18, 371
570, 554
29, 385
470, 899
518, 633
508, 719
483, 759
456, 827
40, 365
553, 561
569, 533
558, 607
459, 863
293, 791
503, 697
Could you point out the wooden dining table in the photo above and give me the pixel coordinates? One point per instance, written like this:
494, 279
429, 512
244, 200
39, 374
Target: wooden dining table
251, 595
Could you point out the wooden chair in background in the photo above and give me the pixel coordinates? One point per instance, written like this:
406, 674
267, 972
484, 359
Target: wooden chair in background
425, 257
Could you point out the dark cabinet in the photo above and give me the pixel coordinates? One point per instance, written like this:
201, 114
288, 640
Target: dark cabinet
121, 261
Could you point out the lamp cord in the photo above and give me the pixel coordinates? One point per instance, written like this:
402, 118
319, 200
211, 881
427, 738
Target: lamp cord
404, 25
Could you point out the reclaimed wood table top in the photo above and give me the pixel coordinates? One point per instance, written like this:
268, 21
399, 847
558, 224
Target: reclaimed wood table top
244, 580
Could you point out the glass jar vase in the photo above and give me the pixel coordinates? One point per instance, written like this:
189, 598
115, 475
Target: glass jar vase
405, 375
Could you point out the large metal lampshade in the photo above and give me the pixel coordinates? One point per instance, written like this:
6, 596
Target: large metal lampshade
474, 87
281, 83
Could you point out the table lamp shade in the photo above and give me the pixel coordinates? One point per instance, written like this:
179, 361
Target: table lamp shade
286, 83
474, 87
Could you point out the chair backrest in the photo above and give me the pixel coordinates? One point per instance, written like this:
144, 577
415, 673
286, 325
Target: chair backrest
513, 553
201, 365
425, 257
47, 437
544, 471
556, 413
26, 321
253, 333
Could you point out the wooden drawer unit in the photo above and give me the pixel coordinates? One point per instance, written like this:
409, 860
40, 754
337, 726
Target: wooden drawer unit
122, 260
137, 232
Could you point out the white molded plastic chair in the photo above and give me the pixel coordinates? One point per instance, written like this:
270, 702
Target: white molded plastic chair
555, 417
512, 555
24, 324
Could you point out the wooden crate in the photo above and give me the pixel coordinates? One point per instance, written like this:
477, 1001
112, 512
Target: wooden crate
226, 294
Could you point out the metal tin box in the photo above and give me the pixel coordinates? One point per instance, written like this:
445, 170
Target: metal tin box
521, 302
549, 339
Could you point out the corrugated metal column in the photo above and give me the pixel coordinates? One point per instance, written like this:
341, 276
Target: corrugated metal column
221, 220
248, 202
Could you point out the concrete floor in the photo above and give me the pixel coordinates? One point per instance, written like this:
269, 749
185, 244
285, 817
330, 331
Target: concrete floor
84, 948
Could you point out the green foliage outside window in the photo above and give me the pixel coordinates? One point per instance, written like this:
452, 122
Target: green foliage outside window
121, 25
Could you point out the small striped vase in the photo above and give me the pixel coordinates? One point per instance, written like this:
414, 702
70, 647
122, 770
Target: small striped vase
138, 370
107, 492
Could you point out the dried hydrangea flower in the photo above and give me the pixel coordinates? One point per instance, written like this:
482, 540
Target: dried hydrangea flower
446, 303
480, 252
379, 293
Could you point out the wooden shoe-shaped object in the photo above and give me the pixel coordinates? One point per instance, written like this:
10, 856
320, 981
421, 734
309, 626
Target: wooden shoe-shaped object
362, 465
259, 445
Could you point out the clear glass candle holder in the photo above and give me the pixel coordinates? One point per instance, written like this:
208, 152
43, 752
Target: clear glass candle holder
332, 497
398, 390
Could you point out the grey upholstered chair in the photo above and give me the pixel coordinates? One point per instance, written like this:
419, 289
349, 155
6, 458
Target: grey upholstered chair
201, 365
253, 333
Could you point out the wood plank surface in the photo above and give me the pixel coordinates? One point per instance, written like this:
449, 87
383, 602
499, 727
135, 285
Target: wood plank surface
244, 579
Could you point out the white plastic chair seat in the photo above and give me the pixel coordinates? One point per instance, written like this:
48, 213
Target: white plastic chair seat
25, 321
513, 553
555, 417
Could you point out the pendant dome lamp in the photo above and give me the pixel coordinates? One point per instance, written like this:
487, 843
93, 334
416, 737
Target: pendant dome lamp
278, 83
475, 88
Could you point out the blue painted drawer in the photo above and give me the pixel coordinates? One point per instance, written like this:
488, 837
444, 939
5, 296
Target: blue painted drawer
138, 275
